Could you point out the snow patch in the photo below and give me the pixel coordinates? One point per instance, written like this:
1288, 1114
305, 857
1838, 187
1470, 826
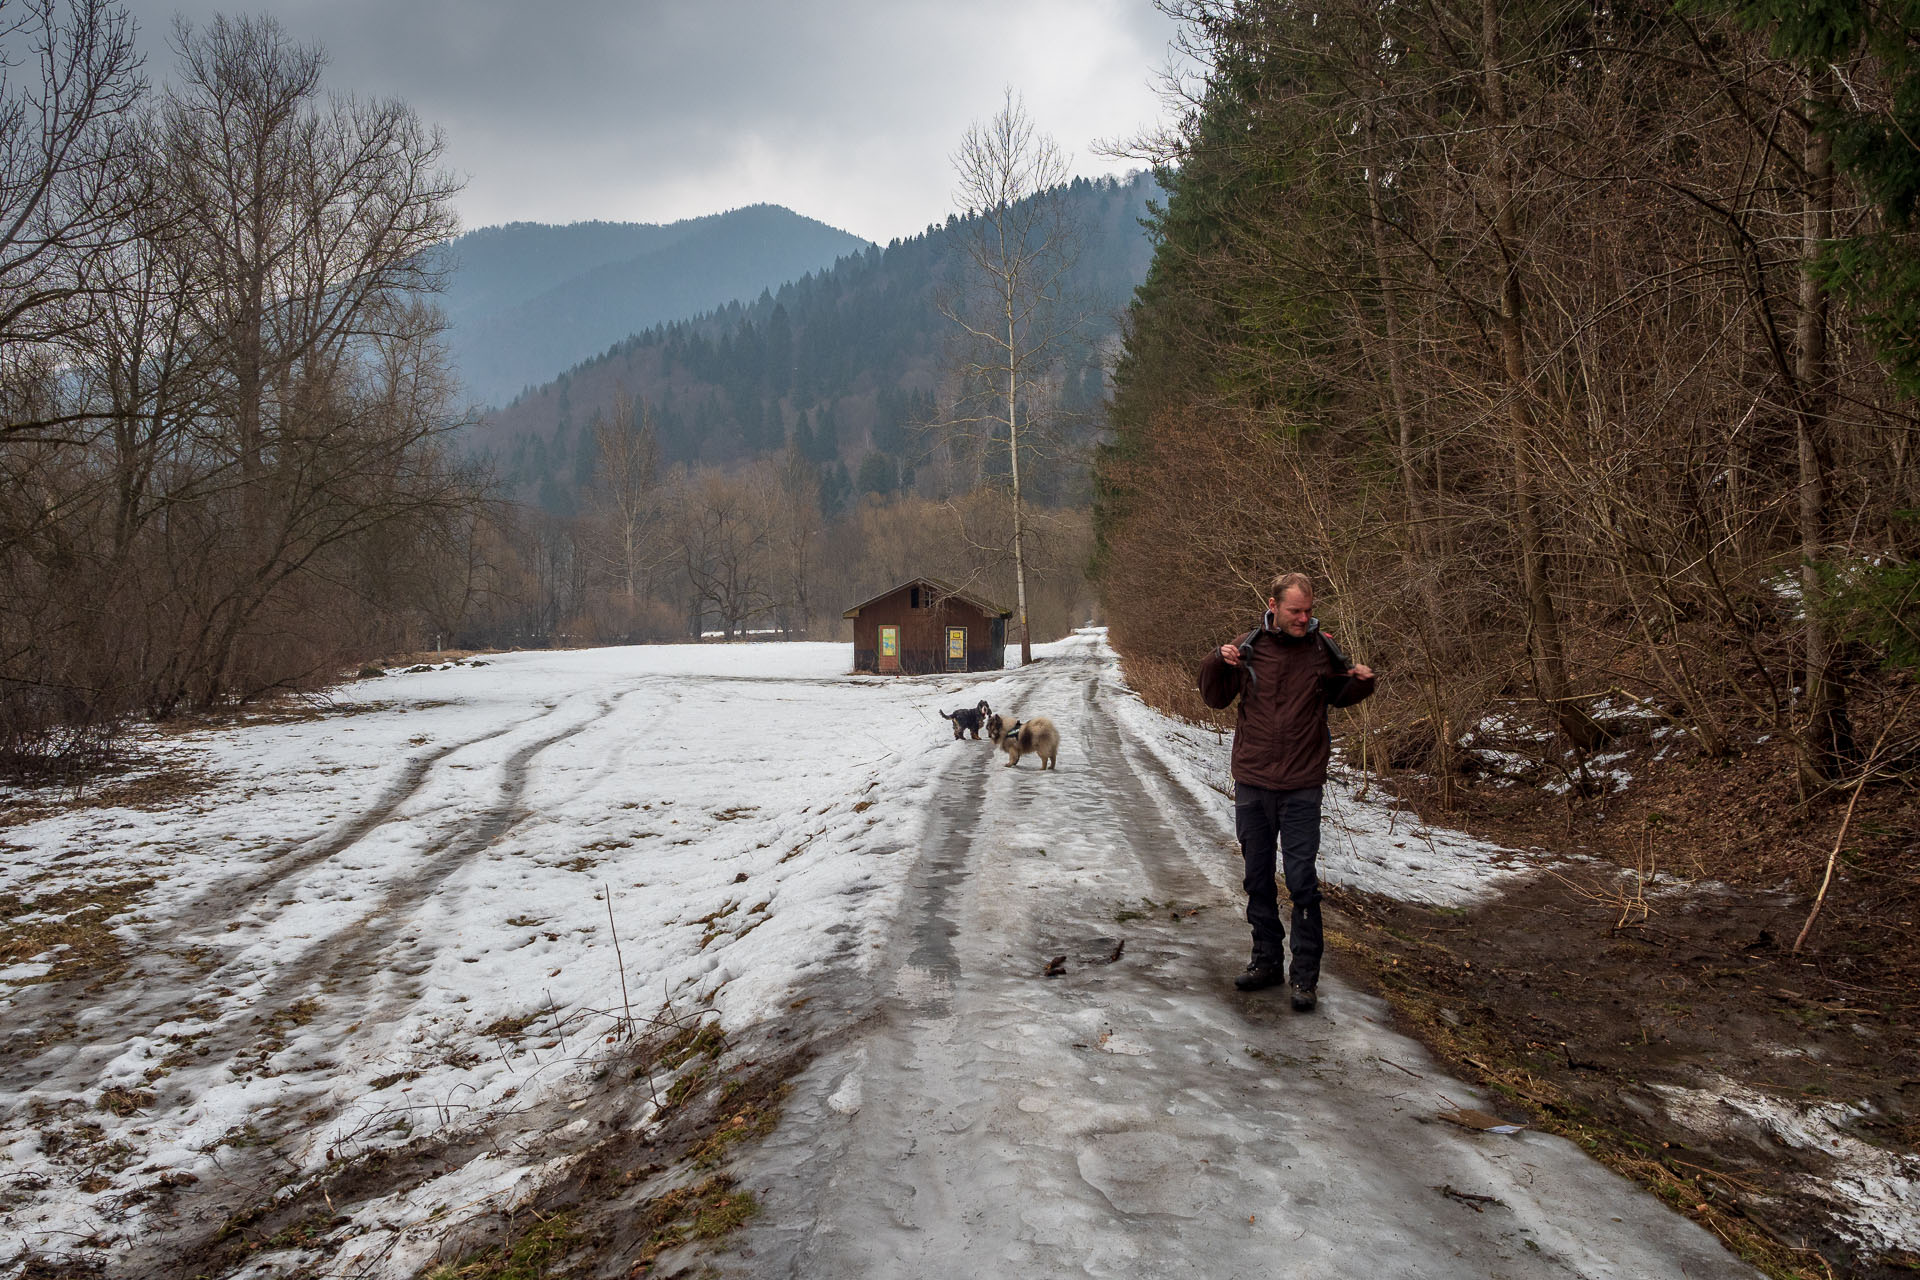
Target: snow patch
847, 1098
1874, 1194
1367, 842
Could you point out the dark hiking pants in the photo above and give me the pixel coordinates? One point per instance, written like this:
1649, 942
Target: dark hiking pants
1289, 820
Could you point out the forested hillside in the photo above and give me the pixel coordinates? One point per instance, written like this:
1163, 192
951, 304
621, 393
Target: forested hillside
1561, 340
846, 364
526, 300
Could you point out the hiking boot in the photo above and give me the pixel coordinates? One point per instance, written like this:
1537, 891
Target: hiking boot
1259, 976
1303, 999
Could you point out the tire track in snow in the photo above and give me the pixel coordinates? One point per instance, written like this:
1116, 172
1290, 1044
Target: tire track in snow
340, 967
337, 980
224, 902
165, 977
337, 971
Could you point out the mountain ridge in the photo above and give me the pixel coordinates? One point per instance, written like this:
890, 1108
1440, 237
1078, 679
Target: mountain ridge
525, 301
841, 363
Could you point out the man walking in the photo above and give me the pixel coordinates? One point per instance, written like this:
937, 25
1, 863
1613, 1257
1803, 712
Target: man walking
1286, 674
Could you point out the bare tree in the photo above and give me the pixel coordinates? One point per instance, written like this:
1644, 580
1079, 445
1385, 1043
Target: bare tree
625, 495
723, 540
305, 220
1019, 245
69, 80
791, 492
223, 402
1504, 201
1826, 730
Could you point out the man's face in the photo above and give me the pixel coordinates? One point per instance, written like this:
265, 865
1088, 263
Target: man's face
1292, 612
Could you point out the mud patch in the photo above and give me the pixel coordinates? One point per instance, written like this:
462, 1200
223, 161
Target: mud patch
644, 1200
1626, 1033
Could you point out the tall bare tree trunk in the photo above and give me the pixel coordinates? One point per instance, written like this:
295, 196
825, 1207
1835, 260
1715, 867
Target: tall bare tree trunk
1019, 515
1019, 244
1543, 621
1826, 731
1396, 358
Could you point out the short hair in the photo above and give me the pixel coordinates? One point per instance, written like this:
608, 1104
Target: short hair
1285, 582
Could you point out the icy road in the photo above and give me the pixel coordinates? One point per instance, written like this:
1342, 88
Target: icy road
396, 923
1135, 1115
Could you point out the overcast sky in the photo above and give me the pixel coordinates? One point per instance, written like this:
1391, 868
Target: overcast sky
650, 110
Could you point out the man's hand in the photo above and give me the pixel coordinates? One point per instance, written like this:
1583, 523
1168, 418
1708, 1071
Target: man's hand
1360, 672
1231, 652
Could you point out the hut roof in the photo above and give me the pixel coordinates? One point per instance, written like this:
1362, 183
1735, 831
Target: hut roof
943, 589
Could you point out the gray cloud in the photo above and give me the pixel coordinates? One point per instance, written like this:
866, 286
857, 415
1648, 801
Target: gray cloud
844, 111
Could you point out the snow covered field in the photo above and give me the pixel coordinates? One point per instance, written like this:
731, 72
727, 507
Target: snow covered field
377, 924
435, 909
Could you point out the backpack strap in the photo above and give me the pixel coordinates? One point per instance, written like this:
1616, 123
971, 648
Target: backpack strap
1242, 645
1340, 660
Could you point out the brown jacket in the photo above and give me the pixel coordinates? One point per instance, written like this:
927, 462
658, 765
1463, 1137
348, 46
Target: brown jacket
1280, 739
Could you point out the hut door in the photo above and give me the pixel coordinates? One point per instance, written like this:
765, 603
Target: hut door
889, 649
956, 648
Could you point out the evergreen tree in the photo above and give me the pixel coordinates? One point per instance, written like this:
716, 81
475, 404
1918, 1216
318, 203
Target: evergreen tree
835, 488
583, 458
826, 436
1876, 141
866, 326
779, 363
889, 427
878, 474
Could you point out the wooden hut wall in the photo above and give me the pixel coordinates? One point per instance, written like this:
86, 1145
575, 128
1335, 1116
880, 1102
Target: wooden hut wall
923, 634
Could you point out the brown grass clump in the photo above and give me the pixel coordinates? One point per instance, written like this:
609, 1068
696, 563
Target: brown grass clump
71, 925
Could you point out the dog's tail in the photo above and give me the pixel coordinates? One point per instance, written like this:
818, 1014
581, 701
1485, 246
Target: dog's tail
944, 715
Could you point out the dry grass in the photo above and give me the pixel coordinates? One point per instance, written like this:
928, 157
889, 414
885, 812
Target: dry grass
73, 927
433, 656
1170, 687
161, 788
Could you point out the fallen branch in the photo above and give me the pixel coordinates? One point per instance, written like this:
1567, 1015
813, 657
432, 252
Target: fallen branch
1833, 856
1468, 1198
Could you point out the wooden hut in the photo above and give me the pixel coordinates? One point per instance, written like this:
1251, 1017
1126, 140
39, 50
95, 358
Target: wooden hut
924, 626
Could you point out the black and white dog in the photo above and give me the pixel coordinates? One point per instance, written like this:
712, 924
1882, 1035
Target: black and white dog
969, 719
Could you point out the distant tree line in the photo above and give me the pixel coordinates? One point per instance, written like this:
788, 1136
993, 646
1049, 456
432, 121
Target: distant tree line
224, 464
1572, 347
657, 552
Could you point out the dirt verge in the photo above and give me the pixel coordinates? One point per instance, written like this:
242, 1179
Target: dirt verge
634, 1203
1664, 1032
